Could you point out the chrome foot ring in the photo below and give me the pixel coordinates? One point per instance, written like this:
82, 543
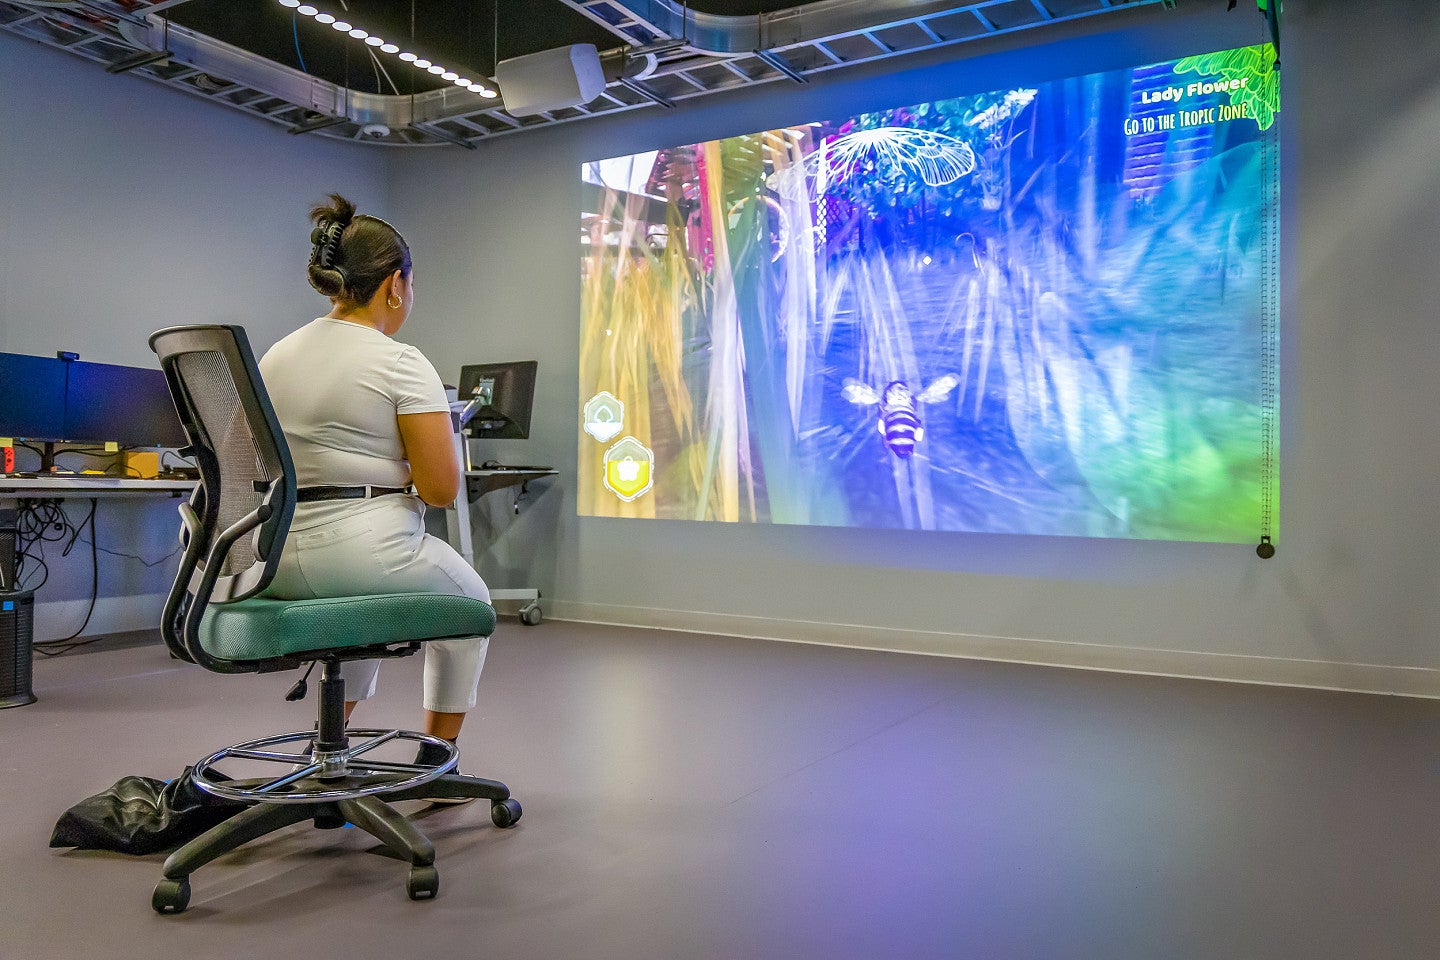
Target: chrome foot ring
339, 775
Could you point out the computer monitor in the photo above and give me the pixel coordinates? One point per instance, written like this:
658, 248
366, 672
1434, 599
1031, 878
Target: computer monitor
128, 405
32, 397
505, 392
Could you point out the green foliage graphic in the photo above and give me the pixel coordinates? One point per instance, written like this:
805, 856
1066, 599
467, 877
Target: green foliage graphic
1261, 94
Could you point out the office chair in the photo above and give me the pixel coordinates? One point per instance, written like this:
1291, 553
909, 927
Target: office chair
233, 529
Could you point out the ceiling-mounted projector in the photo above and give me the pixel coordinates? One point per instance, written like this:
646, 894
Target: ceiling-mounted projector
551, 79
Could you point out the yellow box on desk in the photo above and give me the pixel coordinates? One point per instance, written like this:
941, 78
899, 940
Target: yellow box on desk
142, 463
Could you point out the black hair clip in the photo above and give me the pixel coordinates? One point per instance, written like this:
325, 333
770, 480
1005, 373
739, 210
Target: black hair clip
326, 241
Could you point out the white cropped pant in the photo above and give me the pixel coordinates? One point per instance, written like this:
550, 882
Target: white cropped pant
381, 546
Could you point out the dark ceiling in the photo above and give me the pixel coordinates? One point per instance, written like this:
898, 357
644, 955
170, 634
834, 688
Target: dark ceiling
249, 54
468, 36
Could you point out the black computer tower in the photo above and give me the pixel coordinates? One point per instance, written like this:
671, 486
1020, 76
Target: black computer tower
17, 625
9, 545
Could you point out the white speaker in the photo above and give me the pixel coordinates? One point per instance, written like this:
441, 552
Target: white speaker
550, 79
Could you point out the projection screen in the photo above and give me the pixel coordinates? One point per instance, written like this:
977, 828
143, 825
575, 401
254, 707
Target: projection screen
1046, 309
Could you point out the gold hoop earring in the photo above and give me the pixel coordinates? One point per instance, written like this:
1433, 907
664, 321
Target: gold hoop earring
394, 302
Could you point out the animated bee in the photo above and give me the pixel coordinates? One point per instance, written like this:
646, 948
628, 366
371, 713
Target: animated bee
899, 424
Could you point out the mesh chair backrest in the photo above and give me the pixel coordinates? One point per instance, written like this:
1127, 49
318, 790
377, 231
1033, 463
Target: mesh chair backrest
206, 378
246, 475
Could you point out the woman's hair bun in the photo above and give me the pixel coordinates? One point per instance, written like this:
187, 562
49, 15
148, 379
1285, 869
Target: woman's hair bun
351, 256
328, 281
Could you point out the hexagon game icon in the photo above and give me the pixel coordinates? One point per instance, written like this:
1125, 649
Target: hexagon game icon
629, 469
604, 416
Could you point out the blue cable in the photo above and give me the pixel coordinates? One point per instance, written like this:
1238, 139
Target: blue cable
295, 28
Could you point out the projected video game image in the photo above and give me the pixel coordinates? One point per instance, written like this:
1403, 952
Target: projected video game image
1038, 310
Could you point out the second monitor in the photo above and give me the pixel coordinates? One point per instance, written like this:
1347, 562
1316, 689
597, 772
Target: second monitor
505, 392
129, 405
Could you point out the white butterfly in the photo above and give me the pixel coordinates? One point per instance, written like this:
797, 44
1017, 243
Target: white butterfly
935, 158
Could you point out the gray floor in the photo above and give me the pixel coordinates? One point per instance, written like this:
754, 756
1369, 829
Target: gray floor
698, 797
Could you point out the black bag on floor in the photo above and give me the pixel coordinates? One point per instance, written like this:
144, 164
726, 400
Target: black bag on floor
143, 815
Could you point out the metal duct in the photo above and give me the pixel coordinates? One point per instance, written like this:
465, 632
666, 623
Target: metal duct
668, 56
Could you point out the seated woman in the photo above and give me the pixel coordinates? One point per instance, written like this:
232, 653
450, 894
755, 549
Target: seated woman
360, 410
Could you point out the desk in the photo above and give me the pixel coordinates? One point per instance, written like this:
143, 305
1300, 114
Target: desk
76, 486
457, 518
80, 485
480, 482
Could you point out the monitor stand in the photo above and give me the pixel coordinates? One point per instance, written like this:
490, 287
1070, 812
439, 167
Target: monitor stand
457, 521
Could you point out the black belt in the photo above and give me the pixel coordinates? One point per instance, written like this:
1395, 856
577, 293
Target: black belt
310, 494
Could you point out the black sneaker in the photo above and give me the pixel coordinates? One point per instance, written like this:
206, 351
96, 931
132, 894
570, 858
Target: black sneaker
431, 754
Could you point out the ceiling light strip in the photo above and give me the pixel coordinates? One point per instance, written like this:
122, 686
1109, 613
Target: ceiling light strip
385, 46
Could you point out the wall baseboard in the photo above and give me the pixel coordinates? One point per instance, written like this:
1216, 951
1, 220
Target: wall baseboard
60, 618
1234, 668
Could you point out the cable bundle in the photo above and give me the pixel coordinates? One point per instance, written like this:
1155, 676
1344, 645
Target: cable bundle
42, 522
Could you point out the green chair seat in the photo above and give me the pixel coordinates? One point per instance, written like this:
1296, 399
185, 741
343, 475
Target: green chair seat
261, 628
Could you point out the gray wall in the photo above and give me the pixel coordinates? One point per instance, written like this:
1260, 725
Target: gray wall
494, 232
127, 207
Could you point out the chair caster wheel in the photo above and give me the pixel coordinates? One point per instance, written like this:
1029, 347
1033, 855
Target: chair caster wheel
505, 813
531, 616
424, 883
171, 896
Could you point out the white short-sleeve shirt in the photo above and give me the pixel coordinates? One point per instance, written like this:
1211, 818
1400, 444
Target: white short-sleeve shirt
337, 388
